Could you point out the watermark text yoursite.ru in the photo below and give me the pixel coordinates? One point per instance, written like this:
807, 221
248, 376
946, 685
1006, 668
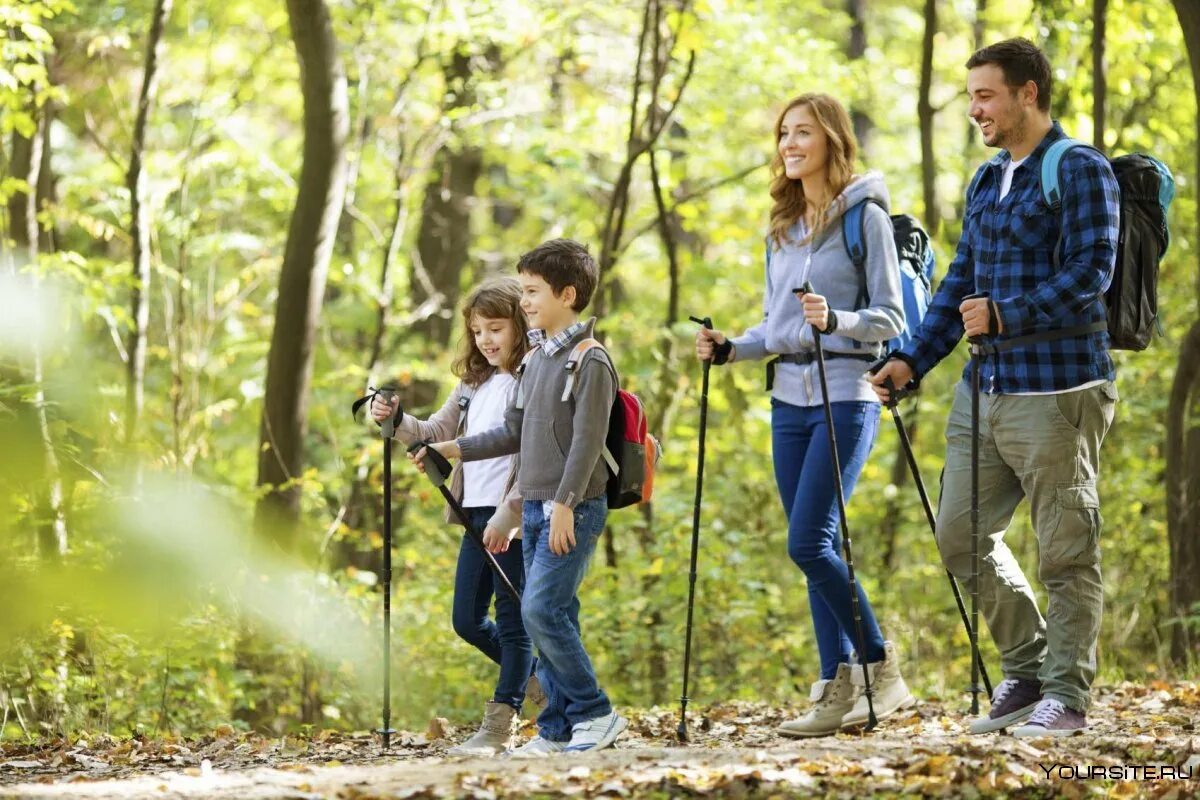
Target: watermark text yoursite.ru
1120, 772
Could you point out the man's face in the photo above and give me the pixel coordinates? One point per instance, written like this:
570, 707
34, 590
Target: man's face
1001, 112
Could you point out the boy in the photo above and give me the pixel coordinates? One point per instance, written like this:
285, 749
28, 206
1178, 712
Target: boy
560, 435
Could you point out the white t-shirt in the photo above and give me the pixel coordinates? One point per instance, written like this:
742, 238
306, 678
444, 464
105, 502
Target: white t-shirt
483, 481
1005, 186
1006, 178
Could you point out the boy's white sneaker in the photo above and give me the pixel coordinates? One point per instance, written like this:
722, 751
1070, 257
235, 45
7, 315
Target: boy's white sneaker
596, 734
537, 747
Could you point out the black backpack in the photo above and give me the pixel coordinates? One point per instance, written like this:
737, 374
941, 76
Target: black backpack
1147, 189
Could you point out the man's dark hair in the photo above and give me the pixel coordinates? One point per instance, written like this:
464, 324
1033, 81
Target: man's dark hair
1021, 61
562, 263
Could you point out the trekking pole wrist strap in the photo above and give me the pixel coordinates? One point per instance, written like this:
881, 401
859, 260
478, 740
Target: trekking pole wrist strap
722, 352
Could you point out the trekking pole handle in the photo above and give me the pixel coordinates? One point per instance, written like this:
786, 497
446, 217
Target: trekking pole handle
894, 395
705, 321
388, 426
437, 466
976, 340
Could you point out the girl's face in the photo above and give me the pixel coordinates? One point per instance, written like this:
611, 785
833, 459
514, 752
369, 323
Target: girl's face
803, 145
495, 338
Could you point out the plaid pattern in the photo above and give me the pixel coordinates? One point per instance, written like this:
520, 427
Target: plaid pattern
537, 337
1008, 250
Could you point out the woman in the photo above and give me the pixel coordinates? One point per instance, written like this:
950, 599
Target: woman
855, 309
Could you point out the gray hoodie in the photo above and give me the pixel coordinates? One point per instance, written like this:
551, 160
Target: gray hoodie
827, 265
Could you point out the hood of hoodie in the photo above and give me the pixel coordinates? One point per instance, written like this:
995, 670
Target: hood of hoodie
868, 186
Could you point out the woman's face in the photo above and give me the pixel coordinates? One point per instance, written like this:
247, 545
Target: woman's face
803, 145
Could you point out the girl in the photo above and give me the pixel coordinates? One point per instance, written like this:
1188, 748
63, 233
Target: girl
813, 185
494, 343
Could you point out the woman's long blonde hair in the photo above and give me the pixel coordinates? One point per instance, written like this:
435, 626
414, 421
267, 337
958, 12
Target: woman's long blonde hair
790, 203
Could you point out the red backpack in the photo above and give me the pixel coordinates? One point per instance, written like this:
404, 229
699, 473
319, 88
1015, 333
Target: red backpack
630, 451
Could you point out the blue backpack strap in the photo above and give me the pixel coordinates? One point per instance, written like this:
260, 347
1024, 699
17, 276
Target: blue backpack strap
1051, 159
853, 235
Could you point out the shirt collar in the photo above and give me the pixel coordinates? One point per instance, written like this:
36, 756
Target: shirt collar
552, 344
1002, 159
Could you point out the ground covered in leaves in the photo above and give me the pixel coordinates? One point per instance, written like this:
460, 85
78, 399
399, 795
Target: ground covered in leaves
1141, 736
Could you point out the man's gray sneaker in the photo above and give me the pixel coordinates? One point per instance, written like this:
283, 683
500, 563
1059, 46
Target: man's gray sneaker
889, 693
1052, 718
494, 734
1013, 700
831, 700
596, 734
537, 747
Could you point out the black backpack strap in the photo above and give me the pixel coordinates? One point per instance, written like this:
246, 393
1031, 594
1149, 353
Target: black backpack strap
1005, 345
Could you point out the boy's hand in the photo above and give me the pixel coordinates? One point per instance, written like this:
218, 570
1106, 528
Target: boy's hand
448, 449
562, 530
382, 409
495, 541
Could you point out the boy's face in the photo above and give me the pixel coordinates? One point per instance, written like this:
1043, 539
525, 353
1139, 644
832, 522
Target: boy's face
544, 309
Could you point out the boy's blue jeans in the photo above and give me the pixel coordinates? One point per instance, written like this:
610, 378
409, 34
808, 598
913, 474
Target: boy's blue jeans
505, 640
550, 608
804, 475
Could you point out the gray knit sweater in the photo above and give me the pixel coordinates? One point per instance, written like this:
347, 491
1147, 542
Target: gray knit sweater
560, 441
827, 265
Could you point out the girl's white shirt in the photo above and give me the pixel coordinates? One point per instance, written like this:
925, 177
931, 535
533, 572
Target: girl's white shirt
484, 481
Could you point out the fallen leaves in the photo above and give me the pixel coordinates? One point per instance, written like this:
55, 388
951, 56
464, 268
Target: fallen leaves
733, 751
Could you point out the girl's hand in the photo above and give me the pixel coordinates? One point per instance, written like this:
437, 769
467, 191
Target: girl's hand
382, 409
495, 541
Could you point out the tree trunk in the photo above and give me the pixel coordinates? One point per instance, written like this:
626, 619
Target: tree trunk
856, 51
140, 229
1183, 425
1099, 72
29, 158
1183, 499
925, 118
305, 262
978, 31
444, 238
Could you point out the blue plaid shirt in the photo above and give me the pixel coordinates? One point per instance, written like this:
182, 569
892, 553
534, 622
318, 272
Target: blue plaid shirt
1007, 249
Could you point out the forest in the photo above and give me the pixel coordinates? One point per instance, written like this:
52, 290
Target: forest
220, 223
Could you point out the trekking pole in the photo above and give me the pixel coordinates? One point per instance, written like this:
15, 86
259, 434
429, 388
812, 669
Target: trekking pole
438, 468
681, 731
387, 430
872, 721
976, 662
893, 403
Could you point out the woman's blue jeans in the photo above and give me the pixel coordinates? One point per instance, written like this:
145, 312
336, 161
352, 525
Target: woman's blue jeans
804, 475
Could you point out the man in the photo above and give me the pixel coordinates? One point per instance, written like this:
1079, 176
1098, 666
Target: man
1027, 281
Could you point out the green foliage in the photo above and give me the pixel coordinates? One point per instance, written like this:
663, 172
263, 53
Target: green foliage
136, 632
